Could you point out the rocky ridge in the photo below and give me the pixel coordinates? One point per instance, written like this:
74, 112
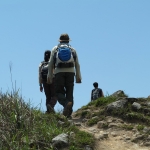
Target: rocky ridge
123, 124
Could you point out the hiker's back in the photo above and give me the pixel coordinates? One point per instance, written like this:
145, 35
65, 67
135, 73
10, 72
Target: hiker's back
96, 93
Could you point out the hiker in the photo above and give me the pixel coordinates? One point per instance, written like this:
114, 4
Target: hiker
48, 88
64, 61
96, 92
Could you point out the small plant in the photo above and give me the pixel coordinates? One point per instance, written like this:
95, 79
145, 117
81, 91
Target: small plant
140, 127
127, 127
105, 125
84, 107
84, 113
92, 121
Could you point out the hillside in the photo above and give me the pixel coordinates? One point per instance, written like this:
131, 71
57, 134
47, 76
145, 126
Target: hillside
115, 122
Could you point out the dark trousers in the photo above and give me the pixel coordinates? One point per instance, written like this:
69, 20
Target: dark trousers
64, 84
49, 90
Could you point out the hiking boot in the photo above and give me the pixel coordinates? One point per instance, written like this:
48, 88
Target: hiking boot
50, 109
68, 110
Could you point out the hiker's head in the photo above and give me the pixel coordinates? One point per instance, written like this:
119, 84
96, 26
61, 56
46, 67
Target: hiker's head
47, 55
95, 84
64, 38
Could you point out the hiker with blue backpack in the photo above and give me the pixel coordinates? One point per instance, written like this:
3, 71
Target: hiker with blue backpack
48, 88
64, 61
96, 92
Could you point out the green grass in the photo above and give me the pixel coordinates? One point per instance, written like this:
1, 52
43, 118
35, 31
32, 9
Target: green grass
103, 101
127, 127
92, 121
140, 127
23, 127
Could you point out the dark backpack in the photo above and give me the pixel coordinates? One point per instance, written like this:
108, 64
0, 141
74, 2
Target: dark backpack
96, 93
44, 70
64, 57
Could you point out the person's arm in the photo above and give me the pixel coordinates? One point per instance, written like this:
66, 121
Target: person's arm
51, 67
77, 67
91, 95
40, 78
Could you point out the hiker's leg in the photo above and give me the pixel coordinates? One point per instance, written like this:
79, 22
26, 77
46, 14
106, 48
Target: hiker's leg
53, 96
69, 85
47, 92
59, 88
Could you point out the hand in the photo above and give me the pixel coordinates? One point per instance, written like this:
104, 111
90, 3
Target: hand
41, 88
78, 81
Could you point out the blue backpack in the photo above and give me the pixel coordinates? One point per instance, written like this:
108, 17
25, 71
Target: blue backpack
64, 57
64, 53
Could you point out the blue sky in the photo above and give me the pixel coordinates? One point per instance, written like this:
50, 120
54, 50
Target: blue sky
111, 37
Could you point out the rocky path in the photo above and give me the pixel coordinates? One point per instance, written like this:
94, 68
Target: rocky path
111, 139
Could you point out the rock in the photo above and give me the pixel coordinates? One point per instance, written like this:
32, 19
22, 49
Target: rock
71, 122
127, 138
116, 105
61, 122
93, 129
148, 96
118, 93
148, 138
95, 117
148, 104
109, 121
77, 124
87, 147
84, 120
114, 134
60, 141
102, 136
146, 130
146, 144
136, 106
72, 135
111, 125
136, 139
101, 124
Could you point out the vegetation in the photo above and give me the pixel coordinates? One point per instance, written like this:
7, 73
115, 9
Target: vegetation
98, 108
103, 101
23, 127
140, 127
92, 121
127, 127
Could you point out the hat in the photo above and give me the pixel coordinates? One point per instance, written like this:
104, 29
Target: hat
64, 37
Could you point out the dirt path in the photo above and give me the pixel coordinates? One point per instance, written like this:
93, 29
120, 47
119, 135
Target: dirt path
119, 141
114, 142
